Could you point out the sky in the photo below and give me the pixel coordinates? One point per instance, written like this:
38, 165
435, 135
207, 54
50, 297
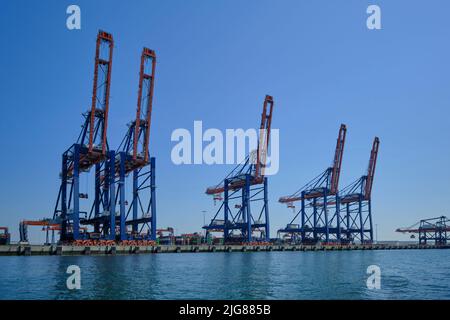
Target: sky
216, 62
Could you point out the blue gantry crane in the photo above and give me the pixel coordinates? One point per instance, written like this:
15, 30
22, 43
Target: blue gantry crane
90, 150
432, 229
319, 203
356, 203
101, 221
240, 192
134, 158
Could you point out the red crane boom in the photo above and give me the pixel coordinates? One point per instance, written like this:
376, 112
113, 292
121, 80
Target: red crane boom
371, 168
101, 89
264, 137
337, 163
261, 153
144, 103
313, 189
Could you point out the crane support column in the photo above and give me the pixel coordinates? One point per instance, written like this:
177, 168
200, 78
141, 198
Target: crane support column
112, 195
369, 204
303, 221
135, 200
314, 203
247, 212
153, 197
325, 212
266, 210
63, 198
97, 196
76, 193
338, 218
360, 214
226, 209
122, 202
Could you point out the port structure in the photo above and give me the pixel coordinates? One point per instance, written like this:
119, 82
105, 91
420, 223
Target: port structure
48, 225
90, 150
432, 229
356, 203
243, 190
134, 159
5, 236
317, 199
166, 235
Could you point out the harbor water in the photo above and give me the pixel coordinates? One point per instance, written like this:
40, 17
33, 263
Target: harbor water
405, 274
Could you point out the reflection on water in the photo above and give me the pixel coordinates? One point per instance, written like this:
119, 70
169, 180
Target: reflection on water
405, 274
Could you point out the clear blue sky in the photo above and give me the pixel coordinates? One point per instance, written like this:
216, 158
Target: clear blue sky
216, 61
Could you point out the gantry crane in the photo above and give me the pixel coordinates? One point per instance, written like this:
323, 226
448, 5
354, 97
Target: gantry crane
432, 229
91, 149
356, 203
135, 157
245, 184
46, 224
318, 197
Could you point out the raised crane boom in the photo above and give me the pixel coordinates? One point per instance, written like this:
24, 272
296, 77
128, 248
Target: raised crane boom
134, 157
100, 92
361, 189
264, 136
328, 181
337, 163
144, 103
371, 168
93, 138
256, 169
136, 142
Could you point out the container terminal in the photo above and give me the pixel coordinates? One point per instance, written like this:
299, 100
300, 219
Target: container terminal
115, 221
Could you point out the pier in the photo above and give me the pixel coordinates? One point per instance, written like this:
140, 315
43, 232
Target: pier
67, 250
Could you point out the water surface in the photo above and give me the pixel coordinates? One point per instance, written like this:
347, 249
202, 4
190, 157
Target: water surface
405, 274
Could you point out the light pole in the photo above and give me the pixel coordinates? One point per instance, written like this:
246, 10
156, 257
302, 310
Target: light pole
204, 222
376, 232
